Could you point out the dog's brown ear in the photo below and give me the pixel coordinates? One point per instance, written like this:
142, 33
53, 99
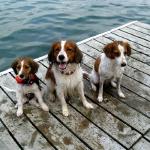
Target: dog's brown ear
54, 46
109, 50
34, 66
128, 48
14, 65
79, 55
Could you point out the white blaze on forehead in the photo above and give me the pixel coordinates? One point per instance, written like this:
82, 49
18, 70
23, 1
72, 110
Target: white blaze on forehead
21, 69
62, 52
122, 56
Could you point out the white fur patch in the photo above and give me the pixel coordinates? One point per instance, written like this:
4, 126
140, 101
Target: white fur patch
21, 70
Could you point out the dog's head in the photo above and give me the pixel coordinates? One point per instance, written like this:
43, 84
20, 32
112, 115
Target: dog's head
64, 52
118, 50
24, 67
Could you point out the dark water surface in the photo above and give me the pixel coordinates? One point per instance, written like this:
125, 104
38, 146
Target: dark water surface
28, 27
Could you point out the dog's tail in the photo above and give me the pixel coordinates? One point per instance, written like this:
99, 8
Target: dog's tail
8, 89
85, 74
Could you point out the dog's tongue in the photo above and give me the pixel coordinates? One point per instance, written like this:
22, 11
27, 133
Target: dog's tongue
62, 66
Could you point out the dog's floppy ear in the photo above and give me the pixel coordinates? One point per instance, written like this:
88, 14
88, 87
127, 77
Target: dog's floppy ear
34, 66
14, 65
128, 48
109, 49
51, 57
79, 55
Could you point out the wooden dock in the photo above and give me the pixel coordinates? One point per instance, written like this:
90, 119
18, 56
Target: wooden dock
114, 124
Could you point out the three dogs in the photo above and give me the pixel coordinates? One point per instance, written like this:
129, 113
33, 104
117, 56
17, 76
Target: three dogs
65, 76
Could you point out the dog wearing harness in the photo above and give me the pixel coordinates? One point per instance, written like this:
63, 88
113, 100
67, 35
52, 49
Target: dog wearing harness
28, 85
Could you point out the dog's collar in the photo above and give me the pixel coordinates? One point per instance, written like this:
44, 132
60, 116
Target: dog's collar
32, 79
63, 71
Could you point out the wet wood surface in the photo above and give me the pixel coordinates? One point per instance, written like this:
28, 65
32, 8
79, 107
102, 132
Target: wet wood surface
114, 124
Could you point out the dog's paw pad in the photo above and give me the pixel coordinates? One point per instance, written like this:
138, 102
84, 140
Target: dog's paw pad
100, 99
45, 107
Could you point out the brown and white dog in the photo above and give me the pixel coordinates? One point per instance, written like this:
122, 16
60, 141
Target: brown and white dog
64, 74
110, 65
27, 82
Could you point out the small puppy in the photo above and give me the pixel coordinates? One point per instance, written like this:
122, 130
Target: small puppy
110, 65
27, 83
64, 74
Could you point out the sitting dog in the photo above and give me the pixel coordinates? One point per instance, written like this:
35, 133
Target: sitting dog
110, 65
27, 83
64, 75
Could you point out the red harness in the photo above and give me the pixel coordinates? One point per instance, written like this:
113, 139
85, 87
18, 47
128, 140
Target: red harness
32, 79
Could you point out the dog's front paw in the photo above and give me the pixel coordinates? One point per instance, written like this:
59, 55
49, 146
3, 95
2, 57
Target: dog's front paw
44, 107
65, 111
121, 94
88, 105
19, 112
100, 99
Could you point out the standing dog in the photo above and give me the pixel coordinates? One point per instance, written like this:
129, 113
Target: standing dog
64, 74
27, 83
110, 65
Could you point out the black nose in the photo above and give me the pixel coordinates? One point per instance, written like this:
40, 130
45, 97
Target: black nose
61, 57
21, 75
123, 64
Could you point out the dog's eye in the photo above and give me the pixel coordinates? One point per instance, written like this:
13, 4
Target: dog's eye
69, 49
26, 67
18, 67
57, 49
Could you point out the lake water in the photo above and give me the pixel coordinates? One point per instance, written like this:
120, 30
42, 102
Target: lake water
28, 27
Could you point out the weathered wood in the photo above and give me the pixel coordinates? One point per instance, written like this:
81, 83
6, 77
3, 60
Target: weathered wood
55, 132
133, 38
122, 111
111, 37
148, 135
136, 33
106, 121
6, 141
21, 128
135, 46
135, 63
129, 71
134, 85
142, 145
143, 25
140, 29
79, 104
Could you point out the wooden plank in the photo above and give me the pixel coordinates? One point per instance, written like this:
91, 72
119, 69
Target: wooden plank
26, 135
131, 72
133, 62
135, 46
148, 135
132, 99
133, 38
111, 37
136, 33
140, 29
143, 25
52, 129
127, 113
110, 125
142, 145
134, 85
6, 141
